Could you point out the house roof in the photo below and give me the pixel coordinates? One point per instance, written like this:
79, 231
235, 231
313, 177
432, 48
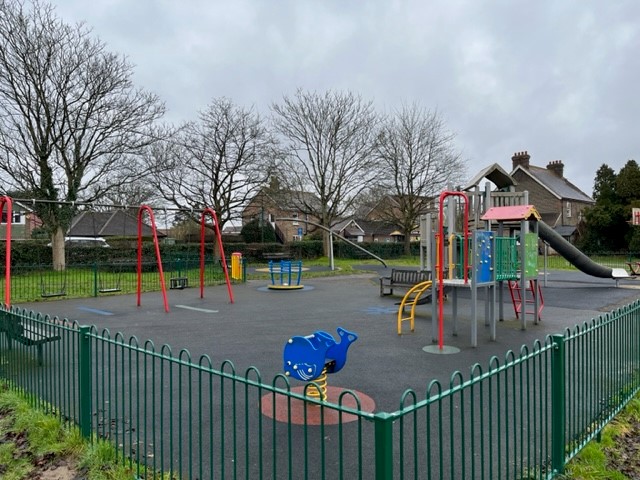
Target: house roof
108, 224
291, 199
517, 212
558, 186
496, 174
377, 228
426, 203
565, 230
356, 227
349, 226
17, 206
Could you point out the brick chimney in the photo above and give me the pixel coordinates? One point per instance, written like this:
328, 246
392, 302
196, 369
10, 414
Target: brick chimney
557, 167
521, 158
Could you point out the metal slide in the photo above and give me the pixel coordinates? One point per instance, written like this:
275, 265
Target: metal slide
575, 256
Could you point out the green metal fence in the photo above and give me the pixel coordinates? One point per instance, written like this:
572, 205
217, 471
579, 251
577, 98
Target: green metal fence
614, 260
33, 282
521, 417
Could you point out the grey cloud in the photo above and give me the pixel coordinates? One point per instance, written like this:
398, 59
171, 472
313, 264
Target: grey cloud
554, 78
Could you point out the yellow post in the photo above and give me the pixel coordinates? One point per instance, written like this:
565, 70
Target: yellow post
452, 266
236, 266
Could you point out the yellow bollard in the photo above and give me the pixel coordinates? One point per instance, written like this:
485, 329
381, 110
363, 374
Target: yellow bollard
236, 266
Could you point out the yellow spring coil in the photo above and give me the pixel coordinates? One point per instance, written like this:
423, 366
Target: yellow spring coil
321, 382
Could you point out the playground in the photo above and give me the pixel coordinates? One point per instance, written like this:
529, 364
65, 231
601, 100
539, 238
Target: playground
244, 335
382, 364
476, 268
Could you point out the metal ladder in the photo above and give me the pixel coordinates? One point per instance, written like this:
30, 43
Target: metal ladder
516, 298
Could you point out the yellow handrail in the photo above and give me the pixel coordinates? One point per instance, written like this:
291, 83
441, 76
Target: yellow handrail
409, 300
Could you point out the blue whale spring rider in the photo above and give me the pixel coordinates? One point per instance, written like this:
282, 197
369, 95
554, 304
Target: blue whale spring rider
305, 357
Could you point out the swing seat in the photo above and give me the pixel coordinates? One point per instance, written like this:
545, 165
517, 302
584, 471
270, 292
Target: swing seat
52, 294
178, 283
53, 289
112, 285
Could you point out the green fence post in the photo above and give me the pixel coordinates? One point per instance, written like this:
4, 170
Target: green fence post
558, 399
383, 445
244, 270
84, 381
95, 279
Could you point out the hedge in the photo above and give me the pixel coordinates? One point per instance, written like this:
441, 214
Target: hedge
125, 251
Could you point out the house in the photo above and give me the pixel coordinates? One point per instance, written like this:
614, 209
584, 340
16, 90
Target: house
234, 230
360, 230
117, 223
560, 203
23, 222
273, 203
386, 215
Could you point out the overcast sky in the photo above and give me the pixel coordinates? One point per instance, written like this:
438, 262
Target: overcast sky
558, 78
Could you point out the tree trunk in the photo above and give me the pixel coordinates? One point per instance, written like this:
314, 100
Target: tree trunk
407, 243
58, 248
326, 244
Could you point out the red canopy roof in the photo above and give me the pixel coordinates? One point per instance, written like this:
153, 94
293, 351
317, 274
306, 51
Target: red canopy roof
518, 212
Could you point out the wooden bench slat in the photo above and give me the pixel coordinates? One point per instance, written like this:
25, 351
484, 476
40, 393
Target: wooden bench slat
276, 256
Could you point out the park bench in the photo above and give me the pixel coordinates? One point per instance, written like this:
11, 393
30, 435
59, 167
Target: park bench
401, 278
276, 255
28, 335
634, 268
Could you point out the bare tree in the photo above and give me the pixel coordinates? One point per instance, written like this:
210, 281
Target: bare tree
219, 161
329, 139
69, 114
418, 159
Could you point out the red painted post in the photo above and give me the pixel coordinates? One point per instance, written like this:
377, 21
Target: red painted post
148, 209
214, 217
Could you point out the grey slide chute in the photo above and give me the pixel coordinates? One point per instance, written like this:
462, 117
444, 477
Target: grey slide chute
575, 256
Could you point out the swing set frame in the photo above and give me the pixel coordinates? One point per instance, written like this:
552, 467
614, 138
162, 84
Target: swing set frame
207, 212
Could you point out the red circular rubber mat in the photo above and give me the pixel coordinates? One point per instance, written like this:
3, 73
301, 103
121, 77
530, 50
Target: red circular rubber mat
300, 412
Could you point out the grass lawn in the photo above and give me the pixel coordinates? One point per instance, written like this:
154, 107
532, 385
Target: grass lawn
35, 444
616, 456
30, 285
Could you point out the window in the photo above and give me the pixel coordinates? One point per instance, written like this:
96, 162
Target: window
297, 238
568, 209
16, 217
295, 216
